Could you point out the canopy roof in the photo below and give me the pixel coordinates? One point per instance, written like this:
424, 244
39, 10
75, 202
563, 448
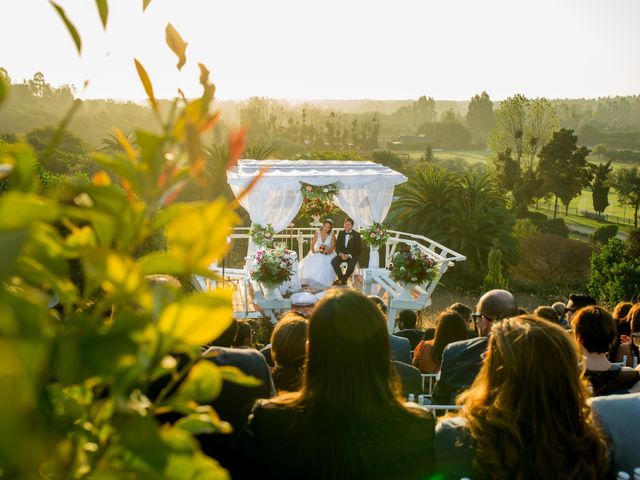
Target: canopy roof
346, 173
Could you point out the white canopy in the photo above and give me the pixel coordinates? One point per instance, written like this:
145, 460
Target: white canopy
365, 189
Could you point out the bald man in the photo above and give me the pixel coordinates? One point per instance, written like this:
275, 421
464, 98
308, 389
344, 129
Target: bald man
461, 361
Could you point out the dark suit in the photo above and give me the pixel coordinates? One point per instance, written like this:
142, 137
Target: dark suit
353, 247
461, 362
235, 402
400, 349
414, 336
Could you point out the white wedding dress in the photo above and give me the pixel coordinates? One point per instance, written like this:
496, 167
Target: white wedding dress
315, 269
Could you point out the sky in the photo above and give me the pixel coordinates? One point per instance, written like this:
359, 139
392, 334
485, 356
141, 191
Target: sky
335, 49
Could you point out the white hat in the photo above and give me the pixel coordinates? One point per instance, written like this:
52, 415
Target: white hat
303, 298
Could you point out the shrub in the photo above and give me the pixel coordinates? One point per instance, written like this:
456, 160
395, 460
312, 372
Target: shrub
553, 261
537, 217
604, 233
615, 271
554, 227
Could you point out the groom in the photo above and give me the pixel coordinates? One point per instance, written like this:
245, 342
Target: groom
348, 248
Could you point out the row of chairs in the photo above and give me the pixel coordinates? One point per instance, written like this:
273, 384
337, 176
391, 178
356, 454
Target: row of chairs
428, 382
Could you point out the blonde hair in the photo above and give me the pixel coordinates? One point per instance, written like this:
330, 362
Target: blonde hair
527, 409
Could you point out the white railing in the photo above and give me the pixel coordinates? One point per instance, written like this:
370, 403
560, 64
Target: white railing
375, 280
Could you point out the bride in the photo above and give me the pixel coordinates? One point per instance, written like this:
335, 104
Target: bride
315, 269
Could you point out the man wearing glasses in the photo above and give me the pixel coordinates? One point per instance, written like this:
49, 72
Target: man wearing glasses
461, 361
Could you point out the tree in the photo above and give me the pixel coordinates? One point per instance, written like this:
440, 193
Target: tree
600, 186
427, 156
563, 167
480, 116
465, 211
522, 127
627, 183
449, 116
615, 271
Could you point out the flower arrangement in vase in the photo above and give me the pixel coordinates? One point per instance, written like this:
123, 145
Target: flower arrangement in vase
411, 266
375, 236
272, 266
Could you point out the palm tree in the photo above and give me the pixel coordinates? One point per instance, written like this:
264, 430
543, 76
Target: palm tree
465, 212
111, 144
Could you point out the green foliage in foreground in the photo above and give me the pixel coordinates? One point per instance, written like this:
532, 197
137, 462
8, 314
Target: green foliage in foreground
83, 383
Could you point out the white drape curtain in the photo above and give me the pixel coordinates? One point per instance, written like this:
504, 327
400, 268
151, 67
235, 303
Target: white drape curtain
268, 204
366, 204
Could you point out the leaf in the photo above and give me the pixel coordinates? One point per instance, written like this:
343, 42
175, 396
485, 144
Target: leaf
20, 210
236, 147
70, 27
176, 44
160, 263
23, 160
198, 235
203, 384
103, 10
145, 4
11, 244
197, 319
237, 376
201, 423
125, 144
146, 83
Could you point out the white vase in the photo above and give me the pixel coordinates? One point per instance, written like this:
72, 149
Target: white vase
271, 291
316, 221
407, 288
374, 257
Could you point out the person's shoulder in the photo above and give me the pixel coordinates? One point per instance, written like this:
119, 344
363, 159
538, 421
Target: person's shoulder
452, 431
465, 345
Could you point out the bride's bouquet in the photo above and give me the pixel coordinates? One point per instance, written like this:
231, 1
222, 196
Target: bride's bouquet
274, 266
322, 249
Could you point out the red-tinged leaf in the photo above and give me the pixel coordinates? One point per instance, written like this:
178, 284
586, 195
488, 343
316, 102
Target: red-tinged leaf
236, 147
145, 4
70, 27
210, 123
170, 195
146, 83
103, 10
236, 202
101, 178
176, 44
125, 144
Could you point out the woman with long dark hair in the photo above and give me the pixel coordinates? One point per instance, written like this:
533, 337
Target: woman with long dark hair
348, 420
450, 328
526, 414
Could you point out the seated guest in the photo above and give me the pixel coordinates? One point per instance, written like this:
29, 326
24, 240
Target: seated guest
429, 333
410, 379
465, 312
244, 336
461, 361
288, 350
595, 331
348, 420
235, 401
547, 313
526, 414
619, 417
623, 346
400, 347
450, 328
406, 321
576, 302
561, 310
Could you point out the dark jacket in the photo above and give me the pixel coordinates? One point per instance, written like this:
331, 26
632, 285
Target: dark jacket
235, 402
353, 248
400, 349
410, 378
461, 362
277, 443
414, 336
454, 449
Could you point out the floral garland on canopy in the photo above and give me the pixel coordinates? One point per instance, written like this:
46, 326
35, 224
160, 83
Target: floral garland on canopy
318, 201
410, 265
273, 266
375, 236
262, 234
